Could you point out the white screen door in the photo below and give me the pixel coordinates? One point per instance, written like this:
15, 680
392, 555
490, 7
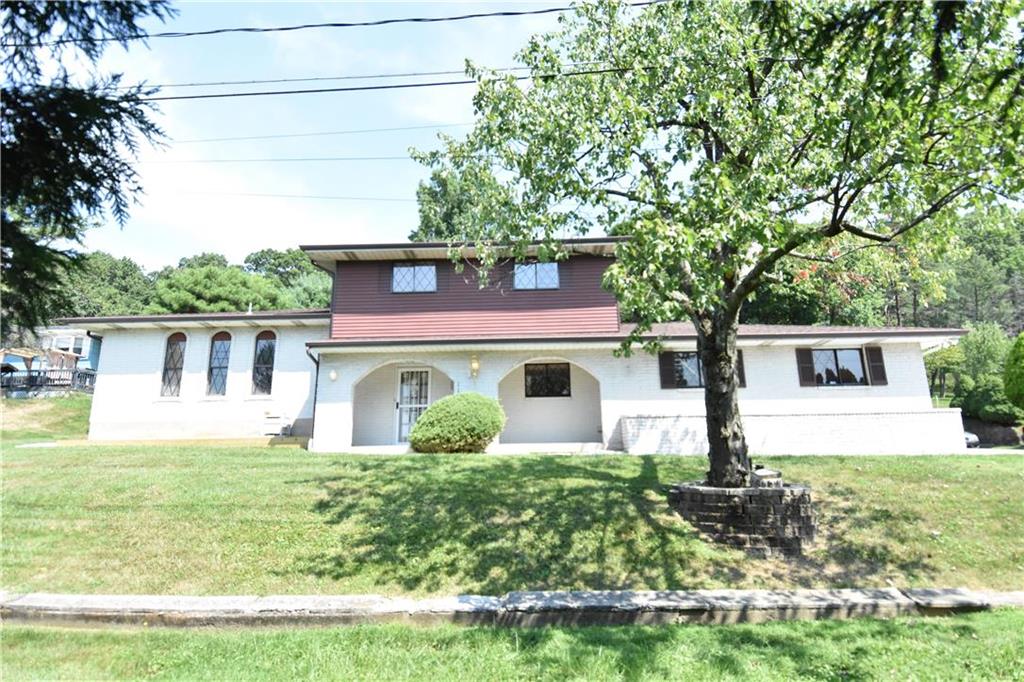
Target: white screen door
413, 398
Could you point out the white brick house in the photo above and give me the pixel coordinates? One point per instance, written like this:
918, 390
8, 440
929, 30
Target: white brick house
405, 329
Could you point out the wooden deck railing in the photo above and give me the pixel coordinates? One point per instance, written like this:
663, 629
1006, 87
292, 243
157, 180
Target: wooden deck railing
71, 379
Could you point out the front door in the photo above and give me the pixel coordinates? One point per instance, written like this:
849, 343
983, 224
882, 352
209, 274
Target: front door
413, 398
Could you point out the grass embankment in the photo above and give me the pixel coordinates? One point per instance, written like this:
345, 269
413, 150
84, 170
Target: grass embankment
41, 419
979, 646
202, 520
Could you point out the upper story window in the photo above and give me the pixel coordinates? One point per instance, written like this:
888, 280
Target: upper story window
548, 380
73, 344
409, 279
174, 361
217, 374
536, 276
683, 369
263, 363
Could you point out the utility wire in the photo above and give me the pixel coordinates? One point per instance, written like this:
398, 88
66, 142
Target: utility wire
312, 79
391, 86
288, 160
299, 27
322, 134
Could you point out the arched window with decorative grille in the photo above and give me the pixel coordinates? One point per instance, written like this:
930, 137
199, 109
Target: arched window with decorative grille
263, 363
174, 361
217, 375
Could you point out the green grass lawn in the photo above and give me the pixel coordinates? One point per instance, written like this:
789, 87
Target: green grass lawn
205, 520
35, 419
980, 646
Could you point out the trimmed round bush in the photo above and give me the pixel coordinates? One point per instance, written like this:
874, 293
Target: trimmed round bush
464, 422
985, 399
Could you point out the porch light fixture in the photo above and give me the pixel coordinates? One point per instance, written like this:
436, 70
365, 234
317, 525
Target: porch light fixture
474, 365
332, 375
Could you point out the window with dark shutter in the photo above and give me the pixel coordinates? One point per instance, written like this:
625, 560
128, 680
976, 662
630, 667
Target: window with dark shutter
805, 366
876, 366
217, 375
174, 361
831, 367
683, 369
263, 363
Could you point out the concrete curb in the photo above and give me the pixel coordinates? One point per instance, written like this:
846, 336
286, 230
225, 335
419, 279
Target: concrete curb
516, 609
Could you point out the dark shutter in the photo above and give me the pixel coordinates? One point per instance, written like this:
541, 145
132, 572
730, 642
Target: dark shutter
876, 366
667, 369
805, 366
741, 374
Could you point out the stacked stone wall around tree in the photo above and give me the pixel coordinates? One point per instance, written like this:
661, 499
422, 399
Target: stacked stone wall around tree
764, 521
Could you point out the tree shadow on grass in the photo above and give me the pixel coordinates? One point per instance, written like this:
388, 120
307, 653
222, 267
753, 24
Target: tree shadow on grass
494, 525
835, 649
498, 525
860, 544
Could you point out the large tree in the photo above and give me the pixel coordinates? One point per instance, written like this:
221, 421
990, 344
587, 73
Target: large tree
721, 151
104, 285
213, 289
68, 144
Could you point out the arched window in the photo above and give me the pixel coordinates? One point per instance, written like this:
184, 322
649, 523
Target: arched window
217, 375
174, 360
263, 363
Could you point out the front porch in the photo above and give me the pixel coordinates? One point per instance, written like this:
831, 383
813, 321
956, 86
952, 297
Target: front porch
368, 402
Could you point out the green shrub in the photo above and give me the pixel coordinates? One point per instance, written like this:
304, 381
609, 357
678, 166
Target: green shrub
984, 347
1013, 374
985, 399
464, 422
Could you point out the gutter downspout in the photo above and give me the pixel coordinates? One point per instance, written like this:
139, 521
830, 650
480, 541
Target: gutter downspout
316, 387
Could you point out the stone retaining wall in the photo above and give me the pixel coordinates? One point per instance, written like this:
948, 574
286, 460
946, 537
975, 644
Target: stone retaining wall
763, 521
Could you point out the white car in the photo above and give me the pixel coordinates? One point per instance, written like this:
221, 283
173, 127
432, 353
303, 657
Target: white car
971, 440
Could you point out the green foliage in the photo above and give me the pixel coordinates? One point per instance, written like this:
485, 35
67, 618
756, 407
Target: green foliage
209, 288
447, 204
67, 148
101, 284
464, 422
203, 260
310, 290
985, 399
984, 349
285, 266
942, 364
1013, 374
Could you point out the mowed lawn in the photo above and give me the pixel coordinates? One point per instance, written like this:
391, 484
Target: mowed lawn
233, 520
983, 646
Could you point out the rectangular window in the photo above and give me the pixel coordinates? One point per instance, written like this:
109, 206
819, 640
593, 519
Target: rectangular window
411, 279
683, 369
535, 276
838, 367
548, 380
79, 343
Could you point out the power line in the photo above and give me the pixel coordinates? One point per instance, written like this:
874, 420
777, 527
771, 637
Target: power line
391, 86
331, 24
312, 79
322, 134
288, 159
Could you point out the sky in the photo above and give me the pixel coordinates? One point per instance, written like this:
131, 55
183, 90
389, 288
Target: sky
192, 207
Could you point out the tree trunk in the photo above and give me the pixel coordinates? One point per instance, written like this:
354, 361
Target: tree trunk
716, 344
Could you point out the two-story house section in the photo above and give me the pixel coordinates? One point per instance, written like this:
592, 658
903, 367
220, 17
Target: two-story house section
407, 327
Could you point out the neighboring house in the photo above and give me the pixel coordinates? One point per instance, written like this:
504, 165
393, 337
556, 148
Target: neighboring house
405, 328
57, 348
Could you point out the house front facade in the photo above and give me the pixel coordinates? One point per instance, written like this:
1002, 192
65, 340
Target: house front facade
407, 327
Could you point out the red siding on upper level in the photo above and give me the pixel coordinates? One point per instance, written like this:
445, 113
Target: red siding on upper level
363, 306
